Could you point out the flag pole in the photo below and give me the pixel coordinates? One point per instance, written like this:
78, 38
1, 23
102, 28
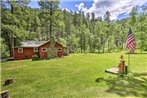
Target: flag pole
129, 62
130, 45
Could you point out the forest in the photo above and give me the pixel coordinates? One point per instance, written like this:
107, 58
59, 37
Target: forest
79, 32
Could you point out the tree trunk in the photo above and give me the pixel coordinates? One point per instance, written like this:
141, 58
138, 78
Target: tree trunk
103, 48
11, 39
90, 45
84, 44
108, 46
141, 45
11, 44
50, 29
28, 24
98, 50
103, 44
81, 44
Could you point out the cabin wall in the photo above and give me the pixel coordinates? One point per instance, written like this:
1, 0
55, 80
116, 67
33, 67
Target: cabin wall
27, 53
59, 53
43, 55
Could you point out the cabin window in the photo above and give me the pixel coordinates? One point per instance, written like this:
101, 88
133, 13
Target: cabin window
20, 50
35, 49
44, 49
59, 49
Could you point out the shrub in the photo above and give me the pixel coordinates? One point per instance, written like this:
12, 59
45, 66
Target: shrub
4, 49
35, 58
66, 54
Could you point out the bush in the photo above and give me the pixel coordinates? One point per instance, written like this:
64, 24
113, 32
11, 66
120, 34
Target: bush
66, 54
35, 58
4, 49
145, 49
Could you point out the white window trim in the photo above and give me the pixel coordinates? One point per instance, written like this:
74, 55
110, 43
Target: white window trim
19, 50
60, 49
42, 49
35, 49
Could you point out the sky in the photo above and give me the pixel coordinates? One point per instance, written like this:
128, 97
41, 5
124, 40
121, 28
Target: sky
119, 9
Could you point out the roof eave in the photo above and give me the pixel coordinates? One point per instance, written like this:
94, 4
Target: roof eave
26, 46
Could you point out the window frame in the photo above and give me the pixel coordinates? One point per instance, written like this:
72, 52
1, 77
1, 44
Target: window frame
35, 49
19, 50
42, 49
60, 49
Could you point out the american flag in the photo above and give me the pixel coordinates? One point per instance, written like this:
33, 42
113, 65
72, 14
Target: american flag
130, 43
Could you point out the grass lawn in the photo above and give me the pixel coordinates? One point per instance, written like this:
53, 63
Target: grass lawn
76, 76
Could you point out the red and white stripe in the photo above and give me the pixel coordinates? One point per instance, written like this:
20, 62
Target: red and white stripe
130, 44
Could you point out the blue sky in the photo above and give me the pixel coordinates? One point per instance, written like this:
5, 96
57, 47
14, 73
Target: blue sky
66, 4
119, 9
72, 4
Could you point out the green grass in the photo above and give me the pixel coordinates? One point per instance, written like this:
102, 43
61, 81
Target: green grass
76, 76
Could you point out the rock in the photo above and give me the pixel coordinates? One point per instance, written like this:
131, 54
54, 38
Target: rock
8, 81
5, 94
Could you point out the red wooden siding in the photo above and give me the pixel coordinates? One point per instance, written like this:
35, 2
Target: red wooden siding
43, 55
59, 53
27, 53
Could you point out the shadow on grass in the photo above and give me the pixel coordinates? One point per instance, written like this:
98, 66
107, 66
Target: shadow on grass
133, 85
136, 53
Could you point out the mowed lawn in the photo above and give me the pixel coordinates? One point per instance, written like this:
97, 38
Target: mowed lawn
76, 76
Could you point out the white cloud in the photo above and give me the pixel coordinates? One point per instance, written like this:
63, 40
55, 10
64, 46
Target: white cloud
115, 7
80, 6
66, 9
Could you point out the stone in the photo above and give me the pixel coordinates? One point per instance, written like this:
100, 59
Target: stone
5, 94
8, 81
112, 70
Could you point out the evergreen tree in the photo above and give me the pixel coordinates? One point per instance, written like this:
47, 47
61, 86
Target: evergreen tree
52, 6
